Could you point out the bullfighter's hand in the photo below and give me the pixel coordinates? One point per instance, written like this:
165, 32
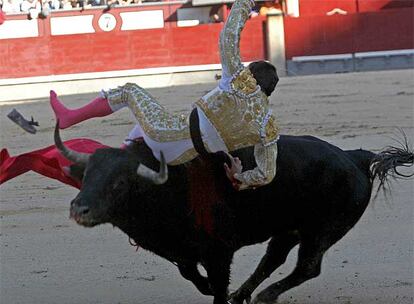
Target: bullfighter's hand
236, 167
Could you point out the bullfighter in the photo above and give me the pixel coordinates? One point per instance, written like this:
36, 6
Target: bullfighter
233, 115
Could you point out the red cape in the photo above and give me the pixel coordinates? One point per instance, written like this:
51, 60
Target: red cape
47, 161
2, 17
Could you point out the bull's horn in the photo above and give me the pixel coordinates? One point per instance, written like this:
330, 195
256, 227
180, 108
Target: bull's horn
157, 178
73, 156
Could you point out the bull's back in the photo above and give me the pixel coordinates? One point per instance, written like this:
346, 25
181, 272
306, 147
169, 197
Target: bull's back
316, 177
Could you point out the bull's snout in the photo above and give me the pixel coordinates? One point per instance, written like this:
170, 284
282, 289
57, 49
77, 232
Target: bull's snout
86, 213
78, 212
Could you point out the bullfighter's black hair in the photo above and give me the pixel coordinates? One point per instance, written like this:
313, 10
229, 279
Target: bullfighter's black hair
265, 75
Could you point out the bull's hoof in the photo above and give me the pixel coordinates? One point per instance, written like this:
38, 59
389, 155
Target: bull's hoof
258, 300
238, 298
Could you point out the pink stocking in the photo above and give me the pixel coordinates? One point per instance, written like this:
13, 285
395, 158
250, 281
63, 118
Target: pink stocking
67, 117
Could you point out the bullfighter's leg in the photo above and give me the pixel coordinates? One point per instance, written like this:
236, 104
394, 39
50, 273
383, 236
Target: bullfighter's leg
98, 107
276, 254
191, 273
308, 266
155, 121
153, 118
216, 259
161, 130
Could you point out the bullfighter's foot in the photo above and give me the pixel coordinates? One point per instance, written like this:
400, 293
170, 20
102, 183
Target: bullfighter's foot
61, 112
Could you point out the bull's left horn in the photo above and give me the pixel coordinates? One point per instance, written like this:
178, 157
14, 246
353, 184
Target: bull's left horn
73, 156
157, 178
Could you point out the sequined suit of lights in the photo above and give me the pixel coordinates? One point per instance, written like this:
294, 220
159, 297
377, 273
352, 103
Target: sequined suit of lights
234, 115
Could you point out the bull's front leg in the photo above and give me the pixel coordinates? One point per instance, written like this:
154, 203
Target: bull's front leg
191, 273
217, 261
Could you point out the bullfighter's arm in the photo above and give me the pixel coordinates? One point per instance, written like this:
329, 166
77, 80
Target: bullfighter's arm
265, 171
230, 40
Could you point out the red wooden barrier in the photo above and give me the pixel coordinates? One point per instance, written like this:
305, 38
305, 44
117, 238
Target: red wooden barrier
376, 5
321, 7
365, 32
389, 29
120, 50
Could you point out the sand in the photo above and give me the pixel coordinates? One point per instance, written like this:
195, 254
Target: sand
47, 258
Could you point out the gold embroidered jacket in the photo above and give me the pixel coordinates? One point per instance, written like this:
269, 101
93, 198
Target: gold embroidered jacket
238, 108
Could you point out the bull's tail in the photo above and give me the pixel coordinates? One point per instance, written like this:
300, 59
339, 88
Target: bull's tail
385, 163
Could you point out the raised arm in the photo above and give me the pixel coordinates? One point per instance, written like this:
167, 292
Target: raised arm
229, 43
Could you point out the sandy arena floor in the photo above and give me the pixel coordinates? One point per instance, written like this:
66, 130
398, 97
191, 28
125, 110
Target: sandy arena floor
46, 258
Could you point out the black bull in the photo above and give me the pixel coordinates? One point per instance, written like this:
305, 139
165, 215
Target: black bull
319, 193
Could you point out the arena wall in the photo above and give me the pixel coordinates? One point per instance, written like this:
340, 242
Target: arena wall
353, 42
143, 42
340, 34
118, 49
322, 7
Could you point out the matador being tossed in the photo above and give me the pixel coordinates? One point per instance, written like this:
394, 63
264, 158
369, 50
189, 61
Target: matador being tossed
234, 115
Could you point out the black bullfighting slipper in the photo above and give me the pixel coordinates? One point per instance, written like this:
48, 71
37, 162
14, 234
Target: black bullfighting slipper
26, 125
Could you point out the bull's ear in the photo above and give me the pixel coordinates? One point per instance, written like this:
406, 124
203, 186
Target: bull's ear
75, 171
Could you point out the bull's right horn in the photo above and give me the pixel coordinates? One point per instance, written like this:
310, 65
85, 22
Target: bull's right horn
157, 178
73, 156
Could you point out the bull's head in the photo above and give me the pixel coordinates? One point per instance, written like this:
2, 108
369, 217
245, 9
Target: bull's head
109, 176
